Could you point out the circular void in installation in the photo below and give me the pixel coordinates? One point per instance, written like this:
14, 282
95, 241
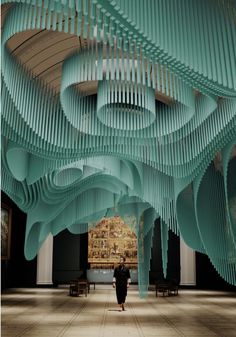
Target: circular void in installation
125, 106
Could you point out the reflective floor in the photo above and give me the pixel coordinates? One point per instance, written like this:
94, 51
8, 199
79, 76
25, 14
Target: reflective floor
52, 313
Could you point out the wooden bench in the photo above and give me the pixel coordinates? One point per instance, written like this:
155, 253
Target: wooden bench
173, 288
162, 288
167, 287
91, 283
78, 286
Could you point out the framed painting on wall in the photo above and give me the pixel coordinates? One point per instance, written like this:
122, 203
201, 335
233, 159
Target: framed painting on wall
6, 215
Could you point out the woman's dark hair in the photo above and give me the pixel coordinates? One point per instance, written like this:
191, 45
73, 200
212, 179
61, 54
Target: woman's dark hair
123, 257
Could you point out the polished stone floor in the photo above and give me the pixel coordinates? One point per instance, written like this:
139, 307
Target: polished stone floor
52, 313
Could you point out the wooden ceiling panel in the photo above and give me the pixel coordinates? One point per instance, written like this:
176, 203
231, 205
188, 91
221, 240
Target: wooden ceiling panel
43, 52
46, 61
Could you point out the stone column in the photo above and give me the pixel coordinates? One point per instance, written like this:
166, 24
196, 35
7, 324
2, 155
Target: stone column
187, 265
44, 262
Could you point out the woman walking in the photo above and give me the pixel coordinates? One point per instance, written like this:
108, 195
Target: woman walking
121, 281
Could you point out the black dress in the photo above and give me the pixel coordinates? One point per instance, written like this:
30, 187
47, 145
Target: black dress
122, 275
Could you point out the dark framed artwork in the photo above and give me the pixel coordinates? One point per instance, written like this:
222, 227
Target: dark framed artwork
6, 216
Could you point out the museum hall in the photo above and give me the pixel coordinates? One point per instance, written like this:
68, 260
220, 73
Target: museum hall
118, 168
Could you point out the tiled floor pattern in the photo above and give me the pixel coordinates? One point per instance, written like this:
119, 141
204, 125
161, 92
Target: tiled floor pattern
52, 313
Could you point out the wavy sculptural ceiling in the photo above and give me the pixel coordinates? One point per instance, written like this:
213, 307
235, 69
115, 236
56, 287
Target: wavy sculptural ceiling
122, 107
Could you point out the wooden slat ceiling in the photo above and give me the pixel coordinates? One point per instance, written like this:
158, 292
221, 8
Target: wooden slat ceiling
42, 53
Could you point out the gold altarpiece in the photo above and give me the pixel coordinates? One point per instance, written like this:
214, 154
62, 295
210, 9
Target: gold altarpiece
110, 239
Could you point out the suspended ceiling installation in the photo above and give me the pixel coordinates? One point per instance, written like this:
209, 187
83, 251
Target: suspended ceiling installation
123, 107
